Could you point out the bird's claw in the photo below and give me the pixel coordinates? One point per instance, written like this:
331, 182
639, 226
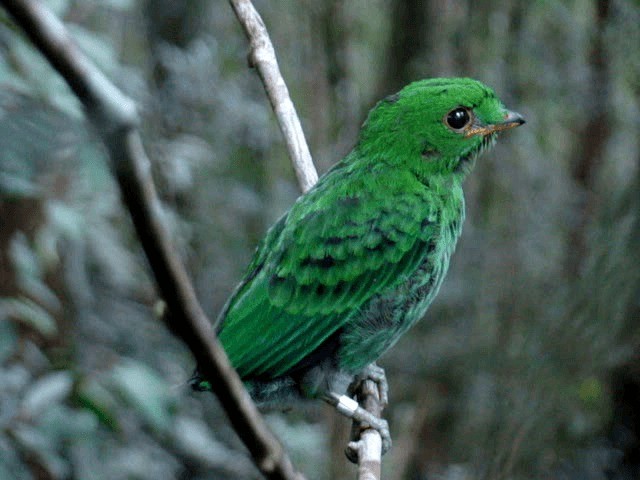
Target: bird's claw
363, 419
352, 451
380, 425
377, 375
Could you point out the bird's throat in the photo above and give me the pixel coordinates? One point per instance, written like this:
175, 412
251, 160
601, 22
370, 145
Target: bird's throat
466, 162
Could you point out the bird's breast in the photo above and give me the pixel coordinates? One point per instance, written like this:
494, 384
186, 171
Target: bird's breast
386, 316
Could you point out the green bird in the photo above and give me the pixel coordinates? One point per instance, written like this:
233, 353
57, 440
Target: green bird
360, 257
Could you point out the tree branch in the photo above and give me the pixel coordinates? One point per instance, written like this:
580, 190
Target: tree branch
115, 118
262, 56
369, 443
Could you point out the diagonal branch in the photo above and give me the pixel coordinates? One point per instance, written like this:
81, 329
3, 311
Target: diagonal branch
115, 118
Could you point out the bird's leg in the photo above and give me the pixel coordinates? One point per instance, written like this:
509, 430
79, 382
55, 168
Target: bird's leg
363, 419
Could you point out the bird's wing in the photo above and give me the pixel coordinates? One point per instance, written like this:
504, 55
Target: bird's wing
316, 267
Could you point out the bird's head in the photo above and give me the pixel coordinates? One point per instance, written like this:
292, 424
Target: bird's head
446, 122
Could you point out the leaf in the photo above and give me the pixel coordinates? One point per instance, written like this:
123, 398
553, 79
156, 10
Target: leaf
49, 390
23, 258
14, 379
30, 274
93, 396
63, 423
148, 393
67, 220
29, 313
42, 449
195, 440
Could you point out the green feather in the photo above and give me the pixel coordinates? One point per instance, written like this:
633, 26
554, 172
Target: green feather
363, 253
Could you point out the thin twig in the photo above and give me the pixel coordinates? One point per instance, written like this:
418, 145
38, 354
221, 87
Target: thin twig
262, 56
114, 116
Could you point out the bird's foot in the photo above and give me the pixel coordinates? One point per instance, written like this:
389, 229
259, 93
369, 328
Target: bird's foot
363, 420
371, 389
376, 374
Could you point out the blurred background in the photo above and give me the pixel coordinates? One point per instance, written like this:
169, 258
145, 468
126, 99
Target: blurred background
526, 366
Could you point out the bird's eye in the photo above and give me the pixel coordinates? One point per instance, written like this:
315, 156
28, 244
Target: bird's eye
457, 119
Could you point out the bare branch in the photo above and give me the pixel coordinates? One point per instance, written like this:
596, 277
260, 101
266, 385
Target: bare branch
114, 116
369, 445
263, 57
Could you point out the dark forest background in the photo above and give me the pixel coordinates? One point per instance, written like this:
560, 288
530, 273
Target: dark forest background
526, 366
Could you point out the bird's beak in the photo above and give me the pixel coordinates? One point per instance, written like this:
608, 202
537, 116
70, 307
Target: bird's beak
510, 120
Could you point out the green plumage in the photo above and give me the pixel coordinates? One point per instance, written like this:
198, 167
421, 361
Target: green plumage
359, 258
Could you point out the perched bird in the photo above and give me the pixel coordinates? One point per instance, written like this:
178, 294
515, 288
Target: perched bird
360, 257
